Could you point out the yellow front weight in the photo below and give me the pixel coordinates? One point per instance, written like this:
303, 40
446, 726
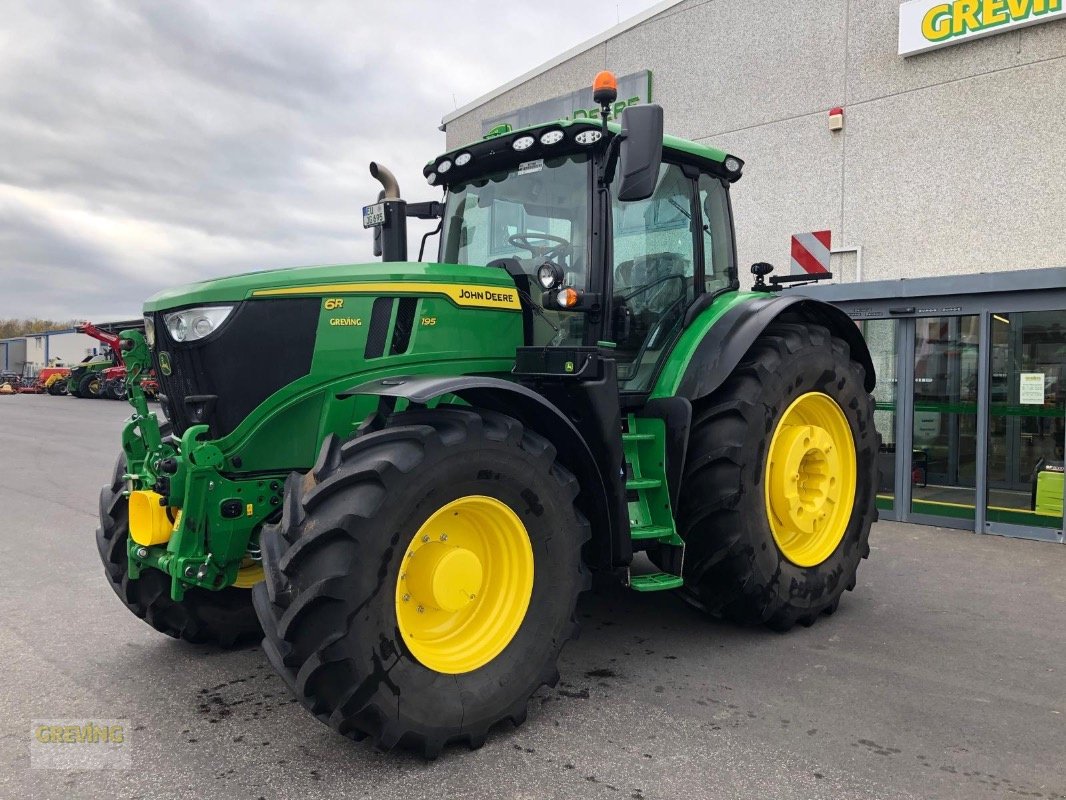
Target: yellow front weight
149, 522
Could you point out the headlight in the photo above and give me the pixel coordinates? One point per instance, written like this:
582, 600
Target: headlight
523, 143
549, 276
149, 330
444, 166
588, 137
551, 137
431, 178
191, 324
462, 159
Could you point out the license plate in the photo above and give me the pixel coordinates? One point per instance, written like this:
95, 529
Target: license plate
374, 216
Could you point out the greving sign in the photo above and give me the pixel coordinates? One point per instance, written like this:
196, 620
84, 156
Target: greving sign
926, 25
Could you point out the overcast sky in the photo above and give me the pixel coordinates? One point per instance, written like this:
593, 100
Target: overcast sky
146, 144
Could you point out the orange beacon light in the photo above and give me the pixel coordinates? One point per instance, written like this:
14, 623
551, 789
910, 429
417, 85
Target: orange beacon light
605, 88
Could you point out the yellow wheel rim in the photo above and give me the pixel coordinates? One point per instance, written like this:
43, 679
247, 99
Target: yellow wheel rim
810, 479
464, 584
248, 576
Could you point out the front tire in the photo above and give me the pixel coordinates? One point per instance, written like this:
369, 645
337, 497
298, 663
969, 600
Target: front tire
225, 618
90, 386
344, 601
777, 498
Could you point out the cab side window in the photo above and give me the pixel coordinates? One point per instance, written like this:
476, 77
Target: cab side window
719, 267
654, 269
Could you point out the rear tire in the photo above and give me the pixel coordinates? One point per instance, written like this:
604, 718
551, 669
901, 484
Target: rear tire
335, 566
735, 567
225, 618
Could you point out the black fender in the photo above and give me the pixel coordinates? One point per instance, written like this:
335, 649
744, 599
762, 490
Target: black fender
538, 414
730, 338
722, 350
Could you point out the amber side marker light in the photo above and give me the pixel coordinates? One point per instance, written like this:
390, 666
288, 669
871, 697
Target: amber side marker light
567, 298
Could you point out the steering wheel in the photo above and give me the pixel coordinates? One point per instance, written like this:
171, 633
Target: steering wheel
555, 248
624, 314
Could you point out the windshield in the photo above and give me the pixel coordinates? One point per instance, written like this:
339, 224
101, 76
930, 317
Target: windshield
520, 218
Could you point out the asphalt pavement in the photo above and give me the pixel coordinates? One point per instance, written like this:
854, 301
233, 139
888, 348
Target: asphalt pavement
942, 676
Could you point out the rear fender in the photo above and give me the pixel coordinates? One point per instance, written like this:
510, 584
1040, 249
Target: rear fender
724, 341
730, 337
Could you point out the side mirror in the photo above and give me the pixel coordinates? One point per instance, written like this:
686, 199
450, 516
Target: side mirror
641, 152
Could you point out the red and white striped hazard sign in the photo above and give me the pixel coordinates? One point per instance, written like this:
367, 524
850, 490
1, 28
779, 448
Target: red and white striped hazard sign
810, 252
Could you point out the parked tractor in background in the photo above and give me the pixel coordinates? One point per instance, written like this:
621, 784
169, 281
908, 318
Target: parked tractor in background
90, 378
114, 383
401, 474
54, 379
85, 377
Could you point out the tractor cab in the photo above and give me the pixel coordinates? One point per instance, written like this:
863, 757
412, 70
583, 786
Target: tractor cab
612, 233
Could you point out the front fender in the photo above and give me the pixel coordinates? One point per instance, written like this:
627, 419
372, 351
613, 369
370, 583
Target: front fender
538, 414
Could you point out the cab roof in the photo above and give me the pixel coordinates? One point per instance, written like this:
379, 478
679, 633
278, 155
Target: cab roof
494, 150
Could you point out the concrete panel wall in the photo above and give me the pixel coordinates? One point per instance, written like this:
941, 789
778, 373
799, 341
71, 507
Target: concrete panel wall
571, 75
728, 65
950, 162
968, 176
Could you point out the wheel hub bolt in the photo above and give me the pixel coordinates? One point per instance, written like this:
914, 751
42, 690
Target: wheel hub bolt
425, 538
421, 609
407, 598
142, 552
444, 537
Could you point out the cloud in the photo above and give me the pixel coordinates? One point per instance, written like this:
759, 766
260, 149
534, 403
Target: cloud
146, 144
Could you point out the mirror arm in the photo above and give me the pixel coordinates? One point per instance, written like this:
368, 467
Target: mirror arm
610, 161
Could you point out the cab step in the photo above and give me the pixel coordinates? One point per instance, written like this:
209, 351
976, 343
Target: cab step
660, 532
643, 483
651, 519
656, 582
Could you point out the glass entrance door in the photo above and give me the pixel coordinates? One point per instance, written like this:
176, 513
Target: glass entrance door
1027, 416
883, 337
943, 457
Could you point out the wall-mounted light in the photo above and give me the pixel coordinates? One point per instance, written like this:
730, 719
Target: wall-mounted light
836, 119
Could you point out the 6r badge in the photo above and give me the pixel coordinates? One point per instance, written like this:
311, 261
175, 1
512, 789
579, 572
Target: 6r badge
164, 362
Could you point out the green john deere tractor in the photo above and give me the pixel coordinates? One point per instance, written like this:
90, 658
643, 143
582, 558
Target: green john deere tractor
86, 378
402, 474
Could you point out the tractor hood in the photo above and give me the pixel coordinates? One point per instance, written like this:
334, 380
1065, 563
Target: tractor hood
336, 279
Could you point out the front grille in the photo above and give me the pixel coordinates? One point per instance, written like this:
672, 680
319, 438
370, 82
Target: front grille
264, 345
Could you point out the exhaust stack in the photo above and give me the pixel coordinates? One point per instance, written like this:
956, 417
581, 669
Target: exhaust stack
390, 236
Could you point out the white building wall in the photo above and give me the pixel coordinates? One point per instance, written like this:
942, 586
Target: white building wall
71, 346
35, 347
950, 162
